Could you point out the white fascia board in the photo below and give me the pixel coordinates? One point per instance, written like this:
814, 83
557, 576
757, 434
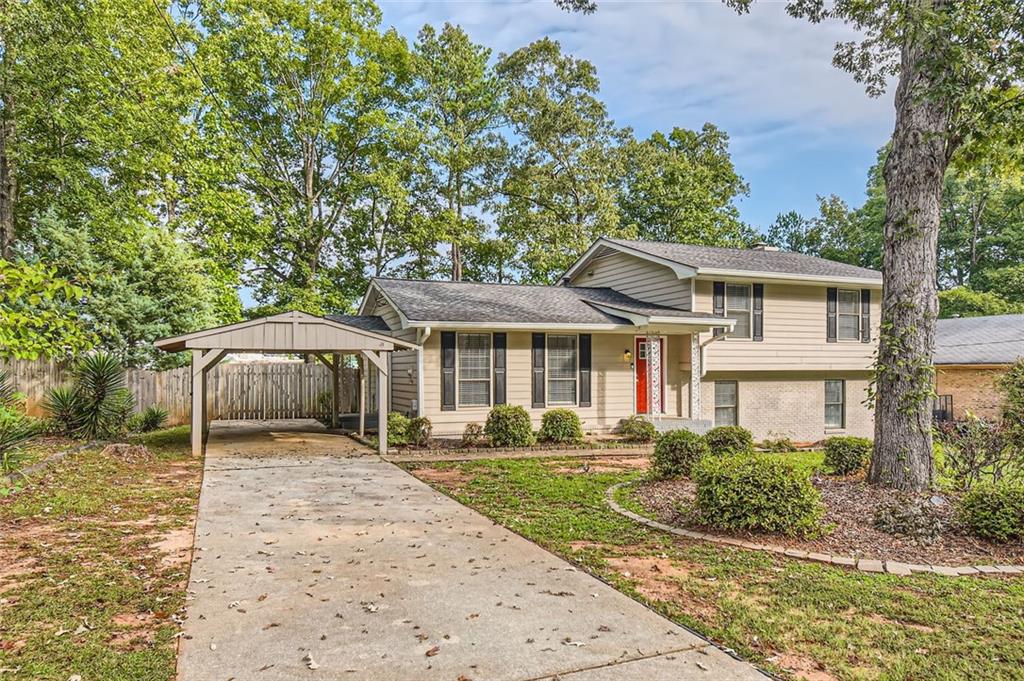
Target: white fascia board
366, 299
681, 271
439, 324
748, 275
640, 319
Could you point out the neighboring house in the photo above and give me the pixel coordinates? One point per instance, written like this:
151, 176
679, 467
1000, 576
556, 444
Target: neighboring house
970, 354
689, 336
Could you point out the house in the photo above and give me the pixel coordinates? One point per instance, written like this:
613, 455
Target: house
970, 354
688, 336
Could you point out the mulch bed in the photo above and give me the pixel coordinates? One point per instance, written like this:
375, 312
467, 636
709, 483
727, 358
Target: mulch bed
849, 509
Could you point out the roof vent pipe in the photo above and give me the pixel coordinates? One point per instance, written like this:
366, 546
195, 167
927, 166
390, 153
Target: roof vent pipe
762, 246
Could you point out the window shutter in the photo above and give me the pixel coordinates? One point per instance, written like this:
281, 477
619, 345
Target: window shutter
831, 319
758, 309
718, 301
865, 315
500, 345
538, 370
585, 369
447, 371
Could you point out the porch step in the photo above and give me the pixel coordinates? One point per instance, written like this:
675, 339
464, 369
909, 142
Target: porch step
663, 424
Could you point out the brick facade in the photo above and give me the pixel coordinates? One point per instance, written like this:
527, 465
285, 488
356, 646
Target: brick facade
973, 389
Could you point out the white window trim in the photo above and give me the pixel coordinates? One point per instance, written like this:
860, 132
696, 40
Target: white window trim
547, 372
842, 424
731, 335
839, 315
735, 404
458, 372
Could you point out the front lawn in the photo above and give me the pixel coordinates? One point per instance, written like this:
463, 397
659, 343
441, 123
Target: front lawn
94, 560
800, 619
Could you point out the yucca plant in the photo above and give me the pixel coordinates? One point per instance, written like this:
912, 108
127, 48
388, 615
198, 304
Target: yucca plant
104, 403
152, 418
15, 427
62, 406
7, 393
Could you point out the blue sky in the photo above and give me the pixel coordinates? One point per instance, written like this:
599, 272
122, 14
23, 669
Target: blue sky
799, 127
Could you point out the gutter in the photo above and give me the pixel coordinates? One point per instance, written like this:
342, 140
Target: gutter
703, 353
421, 337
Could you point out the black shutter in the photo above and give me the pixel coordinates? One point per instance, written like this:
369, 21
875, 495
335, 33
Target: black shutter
718, 302
830, 318
500, 345
865, 315
447, 371
758, 307
538, 370
584, 369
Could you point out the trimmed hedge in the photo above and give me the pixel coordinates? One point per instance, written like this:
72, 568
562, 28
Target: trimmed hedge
994, 510
561, 425
846, 454
676, 452
398, 429
744, 492
638, 429
727, 440
509, 426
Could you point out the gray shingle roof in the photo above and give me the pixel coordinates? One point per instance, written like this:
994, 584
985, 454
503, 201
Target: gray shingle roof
361, 321
980, 340
515, 303
749, 260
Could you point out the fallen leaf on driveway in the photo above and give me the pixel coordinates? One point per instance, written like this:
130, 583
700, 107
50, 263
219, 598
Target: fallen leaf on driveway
433, 651
308, 659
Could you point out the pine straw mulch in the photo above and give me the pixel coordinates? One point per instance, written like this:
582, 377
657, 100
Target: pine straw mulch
849, 510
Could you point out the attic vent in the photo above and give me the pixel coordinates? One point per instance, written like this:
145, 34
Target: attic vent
762, 246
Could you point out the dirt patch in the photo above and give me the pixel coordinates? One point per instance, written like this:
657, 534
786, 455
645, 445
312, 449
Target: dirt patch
881, 619
603, 465
849, 511
656, 576
13, 568
127, 453
449, 477
804, 668
176, 546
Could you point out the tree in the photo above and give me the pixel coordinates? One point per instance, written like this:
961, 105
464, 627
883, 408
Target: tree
39, 313
558, 191
960, 69
682, 187
458, 104
964, 302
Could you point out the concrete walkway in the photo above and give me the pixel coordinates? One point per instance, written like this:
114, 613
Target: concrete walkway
315, 559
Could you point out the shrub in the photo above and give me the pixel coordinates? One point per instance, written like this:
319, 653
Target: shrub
912, 518
1011, 385
728, 440
62, 407
745, 492
638, 429
418, 431
846, 454
974, 449
561, 425
509, 426
152, 418
676, 452
994, 510
15, 428
473, 435
398, 429
778, 445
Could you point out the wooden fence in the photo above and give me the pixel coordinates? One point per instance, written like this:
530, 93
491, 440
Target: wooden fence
235, 390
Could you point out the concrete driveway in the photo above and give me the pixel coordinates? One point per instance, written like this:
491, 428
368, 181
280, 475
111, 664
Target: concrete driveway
315, 559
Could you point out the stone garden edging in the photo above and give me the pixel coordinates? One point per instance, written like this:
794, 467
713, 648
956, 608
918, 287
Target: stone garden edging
863, 564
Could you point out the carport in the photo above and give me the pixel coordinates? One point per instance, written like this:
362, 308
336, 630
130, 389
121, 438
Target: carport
289, 333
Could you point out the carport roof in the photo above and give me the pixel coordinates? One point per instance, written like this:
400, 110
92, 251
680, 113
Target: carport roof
290, 332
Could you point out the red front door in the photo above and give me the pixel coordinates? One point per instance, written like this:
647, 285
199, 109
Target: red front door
643, 403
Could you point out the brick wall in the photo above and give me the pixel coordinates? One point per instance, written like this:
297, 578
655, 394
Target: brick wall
793, 405
973, 389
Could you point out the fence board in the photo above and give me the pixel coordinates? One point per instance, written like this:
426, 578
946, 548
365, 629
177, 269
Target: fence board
235, 390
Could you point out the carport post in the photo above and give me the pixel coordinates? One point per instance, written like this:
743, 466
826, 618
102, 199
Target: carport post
380, 359
202, 362
362, 397
335, 370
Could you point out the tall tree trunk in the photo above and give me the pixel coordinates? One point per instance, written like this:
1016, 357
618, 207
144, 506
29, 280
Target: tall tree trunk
914, 172
8, 179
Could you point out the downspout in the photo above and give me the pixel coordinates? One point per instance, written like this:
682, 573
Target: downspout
703, 353
421, 337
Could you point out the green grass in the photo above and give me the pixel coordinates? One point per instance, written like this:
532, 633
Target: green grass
780, 613
81, 542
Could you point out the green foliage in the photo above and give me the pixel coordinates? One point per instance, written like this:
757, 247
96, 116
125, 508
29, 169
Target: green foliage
15, 428
1008, 281
964, 302
974, 449
473, 435
638, 429
509, 426
756, 493
63, 408
104, 403
1011, 386
398, 429
913, 518
152, 418
778, 445
561, 425
676, 452
846, 454
419, 431
726, 440
994, 511
39, 313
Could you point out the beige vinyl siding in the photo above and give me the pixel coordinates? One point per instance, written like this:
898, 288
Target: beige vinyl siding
794, 333
382, 308
636, 277
404, 376
611, 383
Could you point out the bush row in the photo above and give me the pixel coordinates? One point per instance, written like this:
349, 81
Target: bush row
506, 426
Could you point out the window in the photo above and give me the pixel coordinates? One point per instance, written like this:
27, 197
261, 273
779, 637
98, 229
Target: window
737, 306
835, 404
849, 315
562, 369
726, 398
474, 373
